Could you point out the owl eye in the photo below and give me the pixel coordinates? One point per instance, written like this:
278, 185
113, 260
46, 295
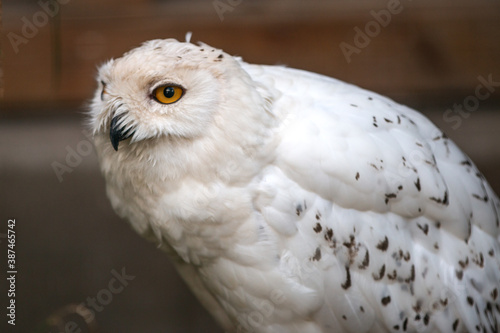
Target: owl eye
168, 94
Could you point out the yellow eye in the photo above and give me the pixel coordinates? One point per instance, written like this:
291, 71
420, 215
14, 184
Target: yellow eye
168, 94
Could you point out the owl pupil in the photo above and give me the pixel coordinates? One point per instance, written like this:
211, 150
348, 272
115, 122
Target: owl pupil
169, 92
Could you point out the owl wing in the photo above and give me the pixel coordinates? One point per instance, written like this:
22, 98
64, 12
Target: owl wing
377, 212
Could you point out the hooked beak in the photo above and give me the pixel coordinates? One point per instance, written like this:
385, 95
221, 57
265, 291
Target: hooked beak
117, 132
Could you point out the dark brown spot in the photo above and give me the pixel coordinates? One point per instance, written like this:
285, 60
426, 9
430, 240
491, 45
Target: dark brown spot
417, 308
460, 274
494, 294
317, 255
396, 327
478, 197
366, 261
317, 228
347, 284
417, 184
405, 324
386, 300
392, 276
455, 325
412, 275
470, 300
383, 245
424, 228
381, 273
491, 252
400, 187
443, 201
344, 317
436, 246
357, 175
480, 261
298, 210
329, 234
426, 319
351, 242
362, 308
388, 120
389, 196
318, 216
464, 263
354, 105
220, 56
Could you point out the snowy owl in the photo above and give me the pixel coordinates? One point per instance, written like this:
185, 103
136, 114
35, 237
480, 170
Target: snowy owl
293, 202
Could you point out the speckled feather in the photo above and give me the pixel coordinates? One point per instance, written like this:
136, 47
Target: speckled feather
293, 202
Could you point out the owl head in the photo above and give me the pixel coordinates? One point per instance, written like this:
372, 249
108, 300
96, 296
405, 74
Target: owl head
174, 100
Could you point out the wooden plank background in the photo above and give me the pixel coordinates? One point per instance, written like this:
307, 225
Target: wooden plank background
430, 51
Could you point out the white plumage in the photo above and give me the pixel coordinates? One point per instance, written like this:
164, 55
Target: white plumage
293, 202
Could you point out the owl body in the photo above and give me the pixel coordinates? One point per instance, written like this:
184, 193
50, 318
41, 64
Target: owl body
294, 202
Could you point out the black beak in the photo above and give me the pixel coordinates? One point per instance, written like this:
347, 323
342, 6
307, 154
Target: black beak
117, 134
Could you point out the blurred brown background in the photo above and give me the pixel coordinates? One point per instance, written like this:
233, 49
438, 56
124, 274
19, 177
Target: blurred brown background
430, 55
